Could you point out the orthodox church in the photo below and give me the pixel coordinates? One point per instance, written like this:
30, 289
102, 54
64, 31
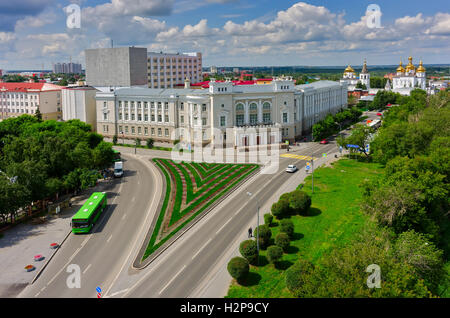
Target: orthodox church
350, 78
409, 78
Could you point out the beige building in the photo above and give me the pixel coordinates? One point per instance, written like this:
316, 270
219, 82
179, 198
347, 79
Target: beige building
79, 103
25, 98
174, 114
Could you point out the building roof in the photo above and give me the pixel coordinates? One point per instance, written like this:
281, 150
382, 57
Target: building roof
26, 87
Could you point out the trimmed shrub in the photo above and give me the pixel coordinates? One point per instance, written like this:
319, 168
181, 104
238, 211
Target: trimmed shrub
248, 250
299, 202
238, 268
287, 226
150, 142
268, 218
264, 233
274, 254
296, 275
281, 208
282, 240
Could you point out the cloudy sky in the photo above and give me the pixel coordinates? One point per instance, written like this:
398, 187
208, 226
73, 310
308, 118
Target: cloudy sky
228, 32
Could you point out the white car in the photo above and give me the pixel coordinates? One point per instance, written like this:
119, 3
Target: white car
291, 168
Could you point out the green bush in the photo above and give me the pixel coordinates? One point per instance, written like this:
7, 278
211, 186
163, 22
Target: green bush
297, 275
150, 143
299, 202
264, 234
282, 240
287, 226
248, 250
268, 218
115, 140
281, 208
238, 268
274, 254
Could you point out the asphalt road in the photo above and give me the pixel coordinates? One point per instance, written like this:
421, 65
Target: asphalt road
186, 264
101, 253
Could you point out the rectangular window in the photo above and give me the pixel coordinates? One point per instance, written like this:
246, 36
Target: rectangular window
159, 118
139, 130
166, 118
159, 132
146, 131
126, 129
239, 120
285, 118
182, 119
120, 130
203, 107
153, 117
203, 121
132, 116
146, 117
266, 117
132, 130
166, 132
253, 119
222, 121
105, 116
139, 117
153, 131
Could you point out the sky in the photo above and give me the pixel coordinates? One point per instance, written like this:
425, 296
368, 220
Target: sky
34, 34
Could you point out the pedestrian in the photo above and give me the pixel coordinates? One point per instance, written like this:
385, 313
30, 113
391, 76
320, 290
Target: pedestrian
250, 233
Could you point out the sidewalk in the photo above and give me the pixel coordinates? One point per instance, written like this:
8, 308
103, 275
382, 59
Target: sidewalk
21, 243
218, 279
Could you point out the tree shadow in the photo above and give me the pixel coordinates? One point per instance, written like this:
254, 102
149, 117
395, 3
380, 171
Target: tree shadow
283, 265
314, 212
292, 249
262, 261
297, 236
252, 279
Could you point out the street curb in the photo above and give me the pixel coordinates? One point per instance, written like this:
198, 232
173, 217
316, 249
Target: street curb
49, 259
139, 265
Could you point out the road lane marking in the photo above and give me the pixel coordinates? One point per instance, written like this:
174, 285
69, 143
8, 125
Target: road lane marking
201, 248
37, 294
124, 216
117, 293
107, 241
84, 272
74, 254
173, 278
223, 225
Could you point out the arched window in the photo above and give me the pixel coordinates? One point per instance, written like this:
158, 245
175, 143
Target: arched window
239, 107
266, 106
253, 106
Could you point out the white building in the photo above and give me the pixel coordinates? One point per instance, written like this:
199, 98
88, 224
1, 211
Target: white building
79, 103
157, 113
409, 79
352, 80
169, 70
26, 98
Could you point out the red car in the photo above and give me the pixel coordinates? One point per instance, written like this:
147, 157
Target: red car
324, 141
379, 114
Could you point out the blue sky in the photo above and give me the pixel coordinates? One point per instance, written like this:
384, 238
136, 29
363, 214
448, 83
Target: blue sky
228, 32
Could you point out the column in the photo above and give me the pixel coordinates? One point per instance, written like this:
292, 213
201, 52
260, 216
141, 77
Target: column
246, 115
260, 112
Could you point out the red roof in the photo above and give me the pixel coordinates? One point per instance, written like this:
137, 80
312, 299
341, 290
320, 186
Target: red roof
205, 84
24, 86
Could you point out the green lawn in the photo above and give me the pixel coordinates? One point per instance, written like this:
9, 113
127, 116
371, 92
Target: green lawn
334, 219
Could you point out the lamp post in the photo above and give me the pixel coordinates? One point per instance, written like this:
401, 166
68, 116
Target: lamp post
257, 227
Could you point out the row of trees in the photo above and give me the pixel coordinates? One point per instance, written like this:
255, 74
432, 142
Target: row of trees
331, 124
41, 159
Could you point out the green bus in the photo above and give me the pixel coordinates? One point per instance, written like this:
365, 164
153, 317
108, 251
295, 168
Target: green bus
116, 155
83, 221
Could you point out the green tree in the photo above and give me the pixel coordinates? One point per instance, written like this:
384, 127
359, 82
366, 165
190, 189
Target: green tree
238, 268
150, 143
299, 202
287, 226
282, 240
268, 218
264, 234
249, 251
274, 254
360, 136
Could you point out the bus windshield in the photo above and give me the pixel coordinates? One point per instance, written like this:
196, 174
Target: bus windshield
80, 223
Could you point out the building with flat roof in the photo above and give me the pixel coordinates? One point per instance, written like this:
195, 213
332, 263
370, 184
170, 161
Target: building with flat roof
67, 68
26, 98
79, 103
116, 67
173, 114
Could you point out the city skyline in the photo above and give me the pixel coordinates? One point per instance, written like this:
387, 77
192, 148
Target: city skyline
227, 32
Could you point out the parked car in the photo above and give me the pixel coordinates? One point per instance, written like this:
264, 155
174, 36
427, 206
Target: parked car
324, 141
291, 168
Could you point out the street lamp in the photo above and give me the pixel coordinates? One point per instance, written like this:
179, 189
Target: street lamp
257, 227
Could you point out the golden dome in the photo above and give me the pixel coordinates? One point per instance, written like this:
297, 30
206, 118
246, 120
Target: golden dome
349, 69
400, 69
410, 66
421, 69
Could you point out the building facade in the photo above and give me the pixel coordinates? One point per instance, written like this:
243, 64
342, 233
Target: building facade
67, 68
79, 103
26, 98
116, 67
177, 114
169, 70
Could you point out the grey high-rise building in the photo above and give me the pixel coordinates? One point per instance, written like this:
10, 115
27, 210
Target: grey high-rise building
122, 66
67, 68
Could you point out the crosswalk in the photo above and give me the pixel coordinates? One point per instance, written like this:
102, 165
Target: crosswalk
299, 157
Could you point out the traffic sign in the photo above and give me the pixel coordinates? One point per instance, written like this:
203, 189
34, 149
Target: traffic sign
367, 148
352, 146
308, 166
324, 154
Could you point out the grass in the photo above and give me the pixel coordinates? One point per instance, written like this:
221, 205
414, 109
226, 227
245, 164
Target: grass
144, 147
334, 220
204, 196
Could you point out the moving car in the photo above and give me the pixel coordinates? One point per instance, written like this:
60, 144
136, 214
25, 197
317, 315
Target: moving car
324, 141
291, 168
379, 114
118, 169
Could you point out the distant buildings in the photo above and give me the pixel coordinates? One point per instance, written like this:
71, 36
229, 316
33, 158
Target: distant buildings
26, 98
132, 66
79, 103
173, 114
352, 81
67, 68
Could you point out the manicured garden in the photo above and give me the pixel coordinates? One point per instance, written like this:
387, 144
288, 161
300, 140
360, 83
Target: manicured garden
333, 220
191, 187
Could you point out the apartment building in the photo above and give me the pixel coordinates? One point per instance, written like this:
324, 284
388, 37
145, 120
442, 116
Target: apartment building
173, 114
169, 70
25, 98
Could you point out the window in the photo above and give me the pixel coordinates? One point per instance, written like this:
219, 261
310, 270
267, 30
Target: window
166, 106
105, 116
239, 120
159, 118
153, 117
222, 121
153, 131
159, 132
146, 131
139, 117
285, 118
146, 117
139, 130
266, 117
166, 118
132, 130
120, 116
126, 129
266, 106
203, 121
182, 106
253, 106
239, 107
132, 116
253, 119
203, 107
182, 119
166, 132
